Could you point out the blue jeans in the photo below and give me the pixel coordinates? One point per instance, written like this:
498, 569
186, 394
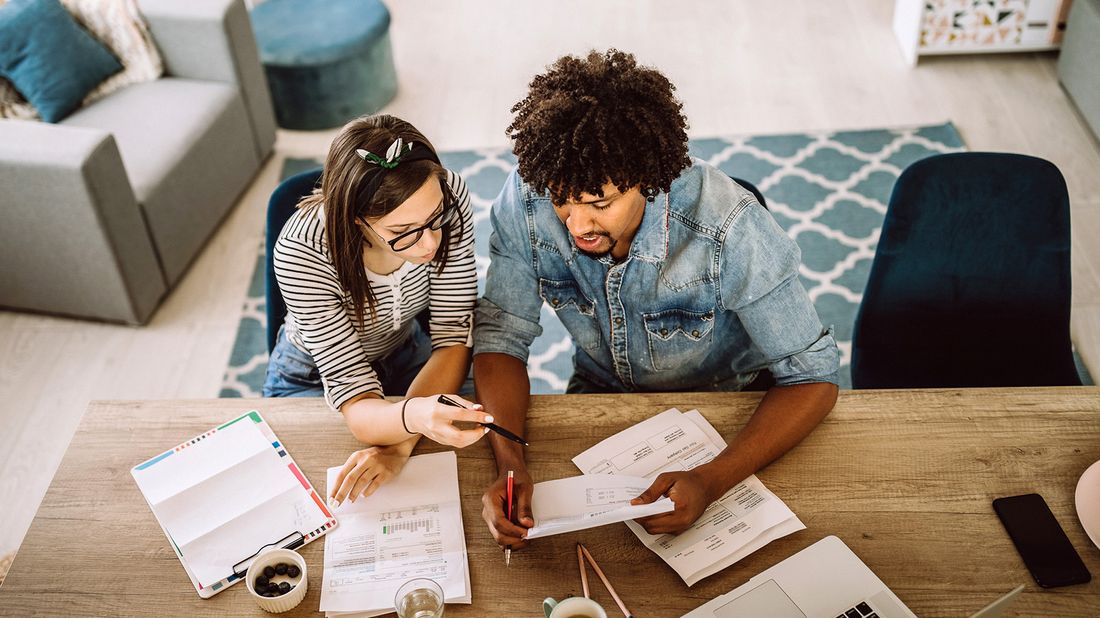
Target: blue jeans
292, 372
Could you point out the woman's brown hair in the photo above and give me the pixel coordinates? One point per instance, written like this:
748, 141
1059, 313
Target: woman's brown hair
341, 195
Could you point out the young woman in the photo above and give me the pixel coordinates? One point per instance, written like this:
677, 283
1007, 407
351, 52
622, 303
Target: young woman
387, 237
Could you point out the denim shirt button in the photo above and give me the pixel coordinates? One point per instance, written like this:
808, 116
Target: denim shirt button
664, 332
618, 321
695, 334
555, 302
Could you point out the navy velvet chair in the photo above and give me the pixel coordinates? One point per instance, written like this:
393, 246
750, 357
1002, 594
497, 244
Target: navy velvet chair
752, 189
279, 208
970, 284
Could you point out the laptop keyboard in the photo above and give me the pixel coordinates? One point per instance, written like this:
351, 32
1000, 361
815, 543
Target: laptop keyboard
862, 610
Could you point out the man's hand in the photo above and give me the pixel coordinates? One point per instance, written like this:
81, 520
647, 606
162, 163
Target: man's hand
366, 470
688, 492
494, 509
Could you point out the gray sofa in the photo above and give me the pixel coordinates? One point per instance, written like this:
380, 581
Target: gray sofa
1079, 61
103, 212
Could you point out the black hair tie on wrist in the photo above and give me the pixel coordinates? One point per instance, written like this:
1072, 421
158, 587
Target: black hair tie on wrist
406, 427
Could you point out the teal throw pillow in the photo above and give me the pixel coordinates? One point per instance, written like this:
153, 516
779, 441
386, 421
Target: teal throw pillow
49, 58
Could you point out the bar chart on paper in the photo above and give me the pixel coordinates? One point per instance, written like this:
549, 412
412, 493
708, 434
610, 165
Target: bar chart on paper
410, 528
421, 519
406, 543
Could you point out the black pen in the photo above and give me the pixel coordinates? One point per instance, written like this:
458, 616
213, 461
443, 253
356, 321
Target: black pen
443, 399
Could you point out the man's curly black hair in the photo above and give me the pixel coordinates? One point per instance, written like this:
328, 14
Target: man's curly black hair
588, 121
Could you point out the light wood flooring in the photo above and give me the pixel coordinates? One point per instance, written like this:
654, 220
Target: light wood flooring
745, 67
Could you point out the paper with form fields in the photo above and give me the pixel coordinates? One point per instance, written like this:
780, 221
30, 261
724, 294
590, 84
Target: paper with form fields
224, 495
411, 527
587, 501
743, 520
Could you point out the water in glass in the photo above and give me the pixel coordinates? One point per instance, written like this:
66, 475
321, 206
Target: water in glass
420, 603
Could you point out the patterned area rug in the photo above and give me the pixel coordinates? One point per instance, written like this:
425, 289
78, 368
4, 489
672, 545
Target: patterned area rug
827, 190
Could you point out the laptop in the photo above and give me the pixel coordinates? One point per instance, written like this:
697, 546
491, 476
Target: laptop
825, 580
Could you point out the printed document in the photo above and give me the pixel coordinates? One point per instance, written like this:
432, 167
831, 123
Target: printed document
411, 527
587, 501
746, 518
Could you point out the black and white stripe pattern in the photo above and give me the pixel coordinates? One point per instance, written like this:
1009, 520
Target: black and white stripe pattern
320, 314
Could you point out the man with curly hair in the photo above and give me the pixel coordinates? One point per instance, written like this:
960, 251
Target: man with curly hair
668, 275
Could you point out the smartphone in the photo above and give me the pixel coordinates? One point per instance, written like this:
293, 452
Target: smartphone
1042, 543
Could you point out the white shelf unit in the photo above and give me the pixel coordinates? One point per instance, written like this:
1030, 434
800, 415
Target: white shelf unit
938, 27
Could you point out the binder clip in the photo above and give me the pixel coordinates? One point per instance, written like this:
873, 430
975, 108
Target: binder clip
293, 540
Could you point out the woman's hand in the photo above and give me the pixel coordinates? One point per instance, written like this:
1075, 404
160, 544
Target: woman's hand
425, 415
366, 470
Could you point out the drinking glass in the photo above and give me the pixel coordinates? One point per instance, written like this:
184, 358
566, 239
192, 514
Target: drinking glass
419, 598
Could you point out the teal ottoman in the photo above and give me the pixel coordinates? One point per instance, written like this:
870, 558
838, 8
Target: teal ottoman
327, 61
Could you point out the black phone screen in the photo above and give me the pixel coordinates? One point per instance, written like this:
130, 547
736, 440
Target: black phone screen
1042, 543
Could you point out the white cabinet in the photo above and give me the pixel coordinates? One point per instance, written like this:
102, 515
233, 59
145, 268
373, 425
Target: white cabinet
926, 27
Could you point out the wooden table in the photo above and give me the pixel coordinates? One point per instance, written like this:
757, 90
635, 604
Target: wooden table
905, 478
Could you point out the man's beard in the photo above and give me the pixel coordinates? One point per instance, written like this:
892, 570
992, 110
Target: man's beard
598, 254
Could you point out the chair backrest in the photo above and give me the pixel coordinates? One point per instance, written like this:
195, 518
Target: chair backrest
752, 189
279, 208
970, 285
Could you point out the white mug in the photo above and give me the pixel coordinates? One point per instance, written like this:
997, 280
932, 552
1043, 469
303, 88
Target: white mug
572, 606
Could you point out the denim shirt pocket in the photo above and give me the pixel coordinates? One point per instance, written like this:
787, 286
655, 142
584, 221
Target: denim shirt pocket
575, 310
678, 338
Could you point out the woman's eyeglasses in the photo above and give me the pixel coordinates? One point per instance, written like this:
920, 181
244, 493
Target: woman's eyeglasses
407, 239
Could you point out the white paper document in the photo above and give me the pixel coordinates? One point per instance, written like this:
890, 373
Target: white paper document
587, 501
743, 520
224, 497
411, 527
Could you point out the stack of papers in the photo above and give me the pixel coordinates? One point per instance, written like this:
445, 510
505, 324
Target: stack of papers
746, 518
587, 501
411, 527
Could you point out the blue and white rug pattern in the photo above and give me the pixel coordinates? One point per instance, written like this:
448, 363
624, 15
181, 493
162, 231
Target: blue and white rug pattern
828, 190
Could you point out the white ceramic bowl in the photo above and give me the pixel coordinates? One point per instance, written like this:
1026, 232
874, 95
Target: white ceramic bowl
287, 601
1087, 500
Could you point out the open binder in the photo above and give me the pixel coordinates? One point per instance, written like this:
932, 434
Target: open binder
227, 495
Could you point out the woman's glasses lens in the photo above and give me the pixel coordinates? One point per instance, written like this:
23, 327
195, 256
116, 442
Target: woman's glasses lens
408, 239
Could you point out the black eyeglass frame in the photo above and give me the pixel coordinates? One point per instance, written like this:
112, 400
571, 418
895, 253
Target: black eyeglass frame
436, 223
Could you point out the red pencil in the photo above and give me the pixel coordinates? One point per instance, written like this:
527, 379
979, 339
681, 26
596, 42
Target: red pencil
508, 550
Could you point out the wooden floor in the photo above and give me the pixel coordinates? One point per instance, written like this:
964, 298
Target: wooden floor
779, 66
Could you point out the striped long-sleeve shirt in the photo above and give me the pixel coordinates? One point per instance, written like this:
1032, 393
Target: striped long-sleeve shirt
320, 314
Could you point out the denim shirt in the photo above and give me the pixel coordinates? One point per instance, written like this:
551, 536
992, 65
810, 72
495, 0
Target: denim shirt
707, 296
